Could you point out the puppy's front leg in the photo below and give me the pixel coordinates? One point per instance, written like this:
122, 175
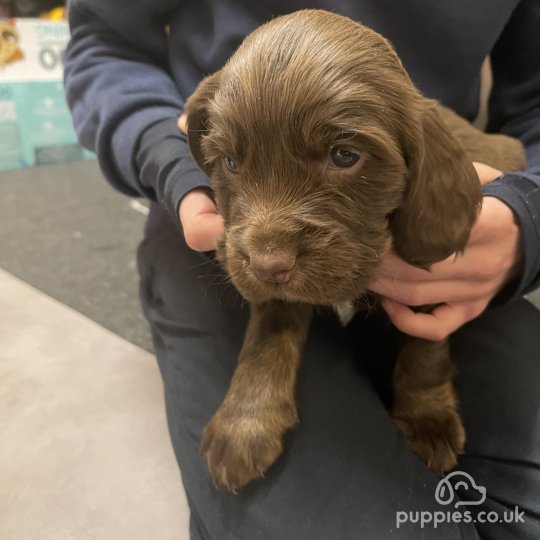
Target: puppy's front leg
425, 403
245, 436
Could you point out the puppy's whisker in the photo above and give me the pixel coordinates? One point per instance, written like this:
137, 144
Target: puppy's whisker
207, 263
344, 196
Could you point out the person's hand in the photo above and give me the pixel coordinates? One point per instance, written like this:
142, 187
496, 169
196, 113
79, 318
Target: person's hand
462, 285
201, 221
182, 123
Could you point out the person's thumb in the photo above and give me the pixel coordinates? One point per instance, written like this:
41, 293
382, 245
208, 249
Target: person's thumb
201, 222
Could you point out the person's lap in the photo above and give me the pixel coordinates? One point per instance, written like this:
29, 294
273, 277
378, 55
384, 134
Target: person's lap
345, 470
498, 358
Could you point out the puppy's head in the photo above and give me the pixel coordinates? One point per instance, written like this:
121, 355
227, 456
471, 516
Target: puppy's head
323, 156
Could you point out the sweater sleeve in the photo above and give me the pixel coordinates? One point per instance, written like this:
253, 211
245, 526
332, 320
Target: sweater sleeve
118, 87
515, 110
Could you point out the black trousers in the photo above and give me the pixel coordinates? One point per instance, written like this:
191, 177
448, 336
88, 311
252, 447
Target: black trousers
346, 472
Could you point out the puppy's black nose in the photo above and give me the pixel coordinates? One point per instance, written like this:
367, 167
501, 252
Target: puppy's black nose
273, 267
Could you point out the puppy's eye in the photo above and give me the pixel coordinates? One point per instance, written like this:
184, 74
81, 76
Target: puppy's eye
343, 158
231, 164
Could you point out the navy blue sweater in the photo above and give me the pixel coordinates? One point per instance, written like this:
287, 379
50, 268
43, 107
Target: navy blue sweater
127, 79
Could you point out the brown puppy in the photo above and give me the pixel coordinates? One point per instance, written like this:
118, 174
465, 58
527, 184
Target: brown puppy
323, 157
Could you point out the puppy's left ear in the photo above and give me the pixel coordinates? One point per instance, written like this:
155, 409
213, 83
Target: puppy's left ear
443, 196
196, 110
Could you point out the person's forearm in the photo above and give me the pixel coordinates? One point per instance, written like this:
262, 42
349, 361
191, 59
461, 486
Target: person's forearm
521, 192
166, 166
514, 109
116, 85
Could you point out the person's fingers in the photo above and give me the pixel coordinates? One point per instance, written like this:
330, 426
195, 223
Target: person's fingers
486, 173
395, 268
433, 292
480, 262
455, 266
434, 326
182, 123
396, 271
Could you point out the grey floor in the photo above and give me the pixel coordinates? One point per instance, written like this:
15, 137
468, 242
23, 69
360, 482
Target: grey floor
84, 453
65, 231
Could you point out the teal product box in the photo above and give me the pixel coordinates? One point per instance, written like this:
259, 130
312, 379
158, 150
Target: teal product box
35, 123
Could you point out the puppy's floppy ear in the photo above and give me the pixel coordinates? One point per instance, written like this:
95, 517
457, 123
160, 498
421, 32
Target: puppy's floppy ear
443, 195
197, 117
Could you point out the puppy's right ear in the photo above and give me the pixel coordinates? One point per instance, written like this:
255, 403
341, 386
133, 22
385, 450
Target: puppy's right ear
196, 110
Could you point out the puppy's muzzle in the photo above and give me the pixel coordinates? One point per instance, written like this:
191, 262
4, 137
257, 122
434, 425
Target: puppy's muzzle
274, 267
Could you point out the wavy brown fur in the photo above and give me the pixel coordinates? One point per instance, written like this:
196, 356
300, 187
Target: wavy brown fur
295, 88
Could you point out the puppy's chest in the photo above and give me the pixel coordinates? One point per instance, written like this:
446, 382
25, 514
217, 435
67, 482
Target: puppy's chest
345, 311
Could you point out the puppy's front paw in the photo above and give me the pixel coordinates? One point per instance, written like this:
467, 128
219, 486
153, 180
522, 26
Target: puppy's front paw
437, 439
240, 448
